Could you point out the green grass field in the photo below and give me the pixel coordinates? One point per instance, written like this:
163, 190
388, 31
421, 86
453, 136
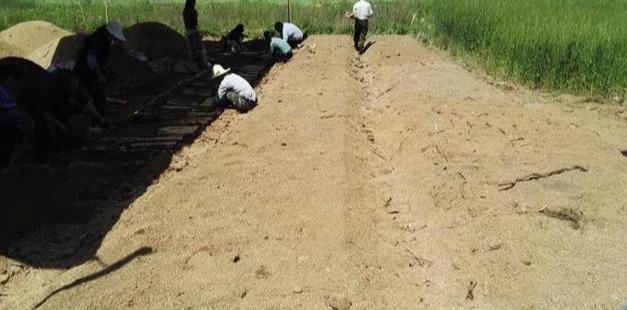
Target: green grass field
578, 46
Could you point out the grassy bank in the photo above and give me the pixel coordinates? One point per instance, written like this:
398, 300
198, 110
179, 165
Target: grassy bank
574, 45
578, 46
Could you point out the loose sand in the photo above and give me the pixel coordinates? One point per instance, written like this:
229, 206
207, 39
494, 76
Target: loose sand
372, 182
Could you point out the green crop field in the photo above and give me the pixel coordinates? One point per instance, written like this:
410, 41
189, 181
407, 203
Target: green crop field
578, 46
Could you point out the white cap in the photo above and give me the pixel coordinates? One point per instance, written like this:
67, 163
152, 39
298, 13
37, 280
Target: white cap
217, 71
115, 30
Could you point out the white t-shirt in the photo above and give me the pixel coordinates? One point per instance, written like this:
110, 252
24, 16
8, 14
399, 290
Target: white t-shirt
235, 83
362, 10
291, 32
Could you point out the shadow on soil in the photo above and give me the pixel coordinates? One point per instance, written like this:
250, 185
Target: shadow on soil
367, 47
107, 270
56, 214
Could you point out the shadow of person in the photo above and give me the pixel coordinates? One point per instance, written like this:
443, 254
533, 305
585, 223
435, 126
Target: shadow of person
624, 152
56, 212
368, 45
143, 251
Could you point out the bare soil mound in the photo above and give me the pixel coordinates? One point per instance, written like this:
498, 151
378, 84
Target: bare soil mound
7, 50
126, 66
60, 50
28, 36
156, 41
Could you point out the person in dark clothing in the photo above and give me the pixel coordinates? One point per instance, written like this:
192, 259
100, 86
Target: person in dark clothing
190, 19
46, 101
235, 39
91, 64
10, 121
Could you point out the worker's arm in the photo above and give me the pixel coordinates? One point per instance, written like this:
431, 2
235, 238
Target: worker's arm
86, 104
94, 66
55, 123
222, 90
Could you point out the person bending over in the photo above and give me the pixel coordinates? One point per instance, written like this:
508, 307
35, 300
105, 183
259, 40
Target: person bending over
280, 50
91, 64
234, 91
235, 39
290, 33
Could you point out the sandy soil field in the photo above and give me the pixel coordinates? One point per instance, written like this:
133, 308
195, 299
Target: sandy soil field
372, 182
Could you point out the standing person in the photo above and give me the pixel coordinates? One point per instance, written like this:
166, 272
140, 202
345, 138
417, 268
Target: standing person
234, 91
190, 19
91, 64
290, 33
362, 11
9, 116
279, 49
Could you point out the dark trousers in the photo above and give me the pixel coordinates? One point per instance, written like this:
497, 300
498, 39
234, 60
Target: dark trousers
361, 31
199, 52
283, 57
294, 44
96, 91
7, 142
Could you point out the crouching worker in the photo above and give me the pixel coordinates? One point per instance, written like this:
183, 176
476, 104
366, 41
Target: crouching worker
290, 33
91, 64
235, 39
280, 50
234, 91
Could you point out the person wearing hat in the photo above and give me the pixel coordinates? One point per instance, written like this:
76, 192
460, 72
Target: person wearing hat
190, 19
362, 11
279, 49
91, 63
234, 91
290, 33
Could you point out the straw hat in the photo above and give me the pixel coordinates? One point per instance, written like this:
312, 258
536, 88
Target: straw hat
217, 71
115, 30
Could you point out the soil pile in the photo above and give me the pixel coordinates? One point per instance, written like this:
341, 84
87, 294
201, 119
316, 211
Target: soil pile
7, 50
157, 41
28, 36
59, 50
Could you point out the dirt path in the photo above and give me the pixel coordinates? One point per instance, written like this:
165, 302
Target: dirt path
371, 181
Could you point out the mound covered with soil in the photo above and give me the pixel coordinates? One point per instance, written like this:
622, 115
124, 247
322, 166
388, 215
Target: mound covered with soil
59, 50
27, 36
7, 50
156, 41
